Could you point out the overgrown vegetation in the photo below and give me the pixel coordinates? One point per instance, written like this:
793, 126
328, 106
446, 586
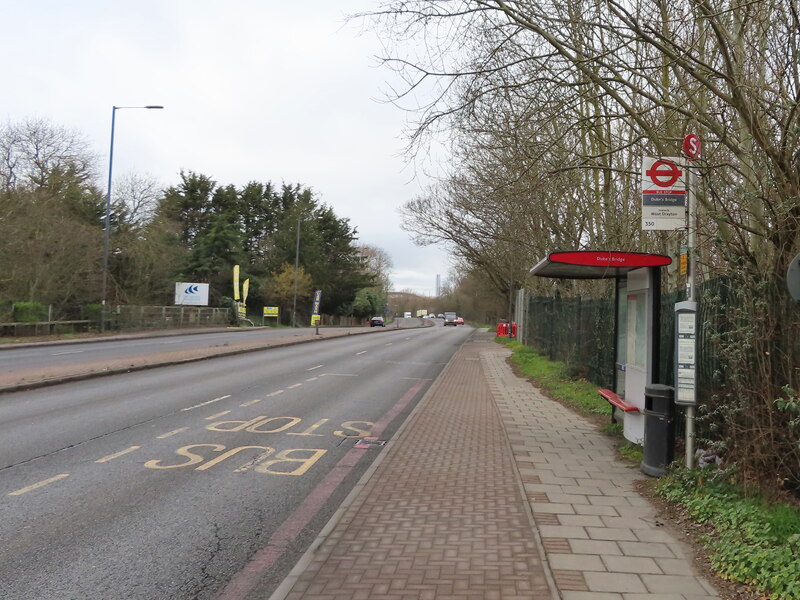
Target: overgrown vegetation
748, 539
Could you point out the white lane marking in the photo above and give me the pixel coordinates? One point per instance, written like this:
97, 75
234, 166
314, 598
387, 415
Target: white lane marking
362, 352
205, 403
66, 352
317, 367
341, 374
175, 431
294, 385
250, 402
389, 344
312, 379
175, 342
35, 486
275, 393
117, 454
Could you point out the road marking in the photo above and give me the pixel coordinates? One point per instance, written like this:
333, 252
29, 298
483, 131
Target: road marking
176, 342
294, 385
275, 393
317, 367
341, 374
362, 352
205, 403
250, 402
117, 454
389, 344
214, 416
36, 486
182, 429
312, 379
66, 352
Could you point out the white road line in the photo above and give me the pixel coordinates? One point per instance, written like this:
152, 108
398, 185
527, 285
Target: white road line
117, 454
362, 352
294, 385
317, 367
341, 374
389, 344
36, 486
177, 431
66, 352
205, 403
173, 342
275, 393
312, 379
250, 402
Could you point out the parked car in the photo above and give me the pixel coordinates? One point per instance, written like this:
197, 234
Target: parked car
450, 319
377, 322
459, 320
440, 316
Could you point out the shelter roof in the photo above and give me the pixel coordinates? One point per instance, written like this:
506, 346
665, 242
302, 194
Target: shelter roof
596, 264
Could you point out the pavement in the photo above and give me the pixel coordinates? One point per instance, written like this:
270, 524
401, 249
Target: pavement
491, 490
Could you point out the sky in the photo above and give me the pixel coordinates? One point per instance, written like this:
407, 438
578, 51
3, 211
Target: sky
253, 90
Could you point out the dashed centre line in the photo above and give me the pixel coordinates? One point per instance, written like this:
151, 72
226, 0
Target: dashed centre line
117, 454
66, 352
250, 402
314, 368
275, 393
215, 416
362, 352
205, 403
294, 385
312, 379
36, 486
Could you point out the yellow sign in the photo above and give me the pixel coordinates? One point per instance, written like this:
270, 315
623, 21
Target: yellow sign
242, 311
684, 263
315, 319
271, 311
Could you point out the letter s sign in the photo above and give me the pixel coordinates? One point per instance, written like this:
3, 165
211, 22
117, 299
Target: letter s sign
691, 146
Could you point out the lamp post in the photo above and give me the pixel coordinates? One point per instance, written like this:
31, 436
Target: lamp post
107, 230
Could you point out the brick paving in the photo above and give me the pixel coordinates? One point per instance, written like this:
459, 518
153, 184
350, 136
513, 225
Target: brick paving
493, 491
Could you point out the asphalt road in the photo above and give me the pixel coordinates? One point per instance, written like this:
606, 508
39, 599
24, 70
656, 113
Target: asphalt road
205, 480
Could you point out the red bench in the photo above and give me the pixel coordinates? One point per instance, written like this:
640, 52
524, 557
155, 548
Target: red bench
614, 399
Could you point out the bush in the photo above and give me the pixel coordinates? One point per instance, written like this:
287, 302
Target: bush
28, 312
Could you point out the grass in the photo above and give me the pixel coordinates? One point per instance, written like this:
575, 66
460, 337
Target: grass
748, 540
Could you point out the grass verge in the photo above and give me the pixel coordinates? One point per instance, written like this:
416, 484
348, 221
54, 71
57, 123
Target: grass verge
748, 540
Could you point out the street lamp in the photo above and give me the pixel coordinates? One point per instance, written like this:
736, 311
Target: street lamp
108, 211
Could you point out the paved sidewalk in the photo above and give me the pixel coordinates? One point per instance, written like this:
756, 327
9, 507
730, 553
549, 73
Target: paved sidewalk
493, 491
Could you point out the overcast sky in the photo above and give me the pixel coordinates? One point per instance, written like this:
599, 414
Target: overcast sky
253, 90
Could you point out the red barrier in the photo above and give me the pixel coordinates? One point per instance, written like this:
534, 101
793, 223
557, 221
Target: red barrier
513, 330
502, 329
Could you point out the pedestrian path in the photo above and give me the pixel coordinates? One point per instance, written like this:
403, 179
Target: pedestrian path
493, 491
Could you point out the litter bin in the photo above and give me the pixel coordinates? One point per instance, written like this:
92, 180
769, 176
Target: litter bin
659, 428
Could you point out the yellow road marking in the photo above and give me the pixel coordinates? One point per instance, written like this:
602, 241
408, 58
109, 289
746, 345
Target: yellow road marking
250, 402
35, 486
275, 393
117, 454
173, 432
214, 416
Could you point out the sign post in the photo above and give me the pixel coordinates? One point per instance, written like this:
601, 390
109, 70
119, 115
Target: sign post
686, 312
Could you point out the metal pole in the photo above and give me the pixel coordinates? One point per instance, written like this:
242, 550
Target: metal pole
296, 263
107, 230
691, 282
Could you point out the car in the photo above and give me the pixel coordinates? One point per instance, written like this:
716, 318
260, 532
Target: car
459, 320
440, 316
450, 319
377, 322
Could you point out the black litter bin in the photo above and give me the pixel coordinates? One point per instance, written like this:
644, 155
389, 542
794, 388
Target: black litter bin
659, 428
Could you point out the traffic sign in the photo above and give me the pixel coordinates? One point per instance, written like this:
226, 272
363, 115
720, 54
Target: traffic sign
691, 146
663, 194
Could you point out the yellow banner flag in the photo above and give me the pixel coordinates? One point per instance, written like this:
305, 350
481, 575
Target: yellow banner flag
236, 282
245, 287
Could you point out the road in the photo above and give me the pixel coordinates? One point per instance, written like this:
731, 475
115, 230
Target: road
199, 481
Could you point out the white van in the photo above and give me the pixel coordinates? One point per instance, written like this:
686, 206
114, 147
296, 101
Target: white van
406, 315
